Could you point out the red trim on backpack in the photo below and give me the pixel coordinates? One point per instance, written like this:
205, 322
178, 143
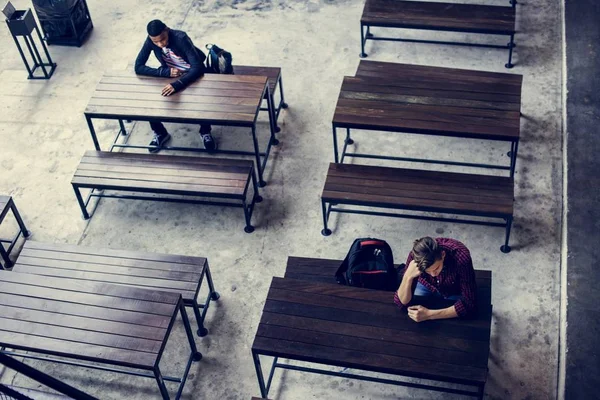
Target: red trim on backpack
371, 243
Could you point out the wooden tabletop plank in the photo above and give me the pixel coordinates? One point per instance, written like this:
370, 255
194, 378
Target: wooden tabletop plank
443, 16
372, 345
92, 294
78, 335
238, 77
158, 84
106, 277
471, 348
440, 73
179, 106
182, 98
65, 348
51, 318
140, 91
21, 301
367, 361
128, 258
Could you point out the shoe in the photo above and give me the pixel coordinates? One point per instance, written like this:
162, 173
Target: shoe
209, 142
158, 142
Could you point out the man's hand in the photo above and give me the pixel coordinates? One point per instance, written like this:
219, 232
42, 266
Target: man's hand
419, 313
175, 73
413, 270
168, 90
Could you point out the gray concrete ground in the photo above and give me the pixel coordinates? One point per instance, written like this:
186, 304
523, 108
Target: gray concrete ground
43, 134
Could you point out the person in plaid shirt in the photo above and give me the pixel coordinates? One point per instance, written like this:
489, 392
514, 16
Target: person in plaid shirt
440, 270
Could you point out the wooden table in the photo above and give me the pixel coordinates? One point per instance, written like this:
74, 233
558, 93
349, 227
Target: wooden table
348, 327
7, 204
154, 271
228, 100
82, 322
430, 101
439, 16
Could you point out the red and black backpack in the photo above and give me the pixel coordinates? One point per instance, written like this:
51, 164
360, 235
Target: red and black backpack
369, 264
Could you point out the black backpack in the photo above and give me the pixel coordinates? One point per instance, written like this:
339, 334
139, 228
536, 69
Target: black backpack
369, 264
218, 60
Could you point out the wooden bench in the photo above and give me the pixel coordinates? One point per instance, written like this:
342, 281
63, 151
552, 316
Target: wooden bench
274, 75
92, 325
7, 204
314, 322
417, 190
434, 16
185, 177
163, 272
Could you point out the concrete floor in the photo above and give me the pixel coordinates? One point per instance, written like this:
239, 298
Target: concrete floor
43, 135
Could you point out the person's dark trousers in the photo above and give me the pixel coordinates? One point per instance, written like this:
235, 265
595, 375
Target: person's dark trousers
160, 130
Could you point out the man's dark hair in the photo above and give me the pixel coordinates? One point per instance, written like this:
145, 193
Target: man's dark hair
155, 27
426, 252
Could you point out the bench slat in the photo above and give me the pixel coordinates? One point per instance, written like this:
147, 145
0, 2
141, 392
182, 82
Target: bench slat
179, 106
199, 163
443, 16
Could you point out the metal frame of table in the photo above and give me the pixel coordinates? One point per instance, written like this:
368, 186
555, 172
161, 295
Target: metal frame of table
7, 204
154, 372
367, 35
261, 158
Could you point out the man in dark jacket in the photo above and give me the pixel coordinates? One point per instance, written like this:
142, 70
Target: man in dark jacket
179, 59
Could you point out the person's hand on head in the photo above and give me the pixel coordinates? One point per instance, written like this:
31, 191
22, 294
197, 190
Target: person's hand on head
168, 90
418, 313
413, 270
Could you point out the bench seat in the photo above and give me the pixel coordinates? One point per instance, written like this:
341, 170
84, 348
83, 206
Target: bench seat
159, 272
417, 190
180, 176
439, 16
274, 75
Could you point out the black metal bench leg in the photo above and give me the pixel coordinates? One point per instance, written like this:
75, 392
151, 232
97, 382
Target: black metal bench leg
214, 295
93, 132
161, 383
506, 248
326, 231
202, 331
362, 42
20, 222
282, 103
259, 374
336, 156
513, 158
4, 254
197, 356
123, 131
81, 202
511, 46
348, 138
257, 197
369, 34
248, 215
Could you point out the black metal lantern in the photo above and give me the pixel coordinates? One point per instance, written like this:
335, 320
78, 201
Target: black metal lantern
64, 22
22, 24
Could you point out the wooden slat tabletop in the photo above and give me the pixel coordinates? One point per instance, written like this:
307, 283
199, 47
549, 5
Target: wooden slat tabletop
474, 18
162, 173
363, 329
77, 319
162, 272
273, 73
417, 189
214, 98
431, 100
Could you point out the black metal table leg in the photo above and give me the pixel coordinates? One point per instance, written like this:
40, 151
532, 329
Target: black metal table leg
161, 383
348, 138
513, 158
506, 248
282, 102
17, 216
326, 231
272, 118
259, 374
259, 169
82, 205
335, 145
362, 42
123, 131
511, 46
248, 216
93, 132
214, 295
